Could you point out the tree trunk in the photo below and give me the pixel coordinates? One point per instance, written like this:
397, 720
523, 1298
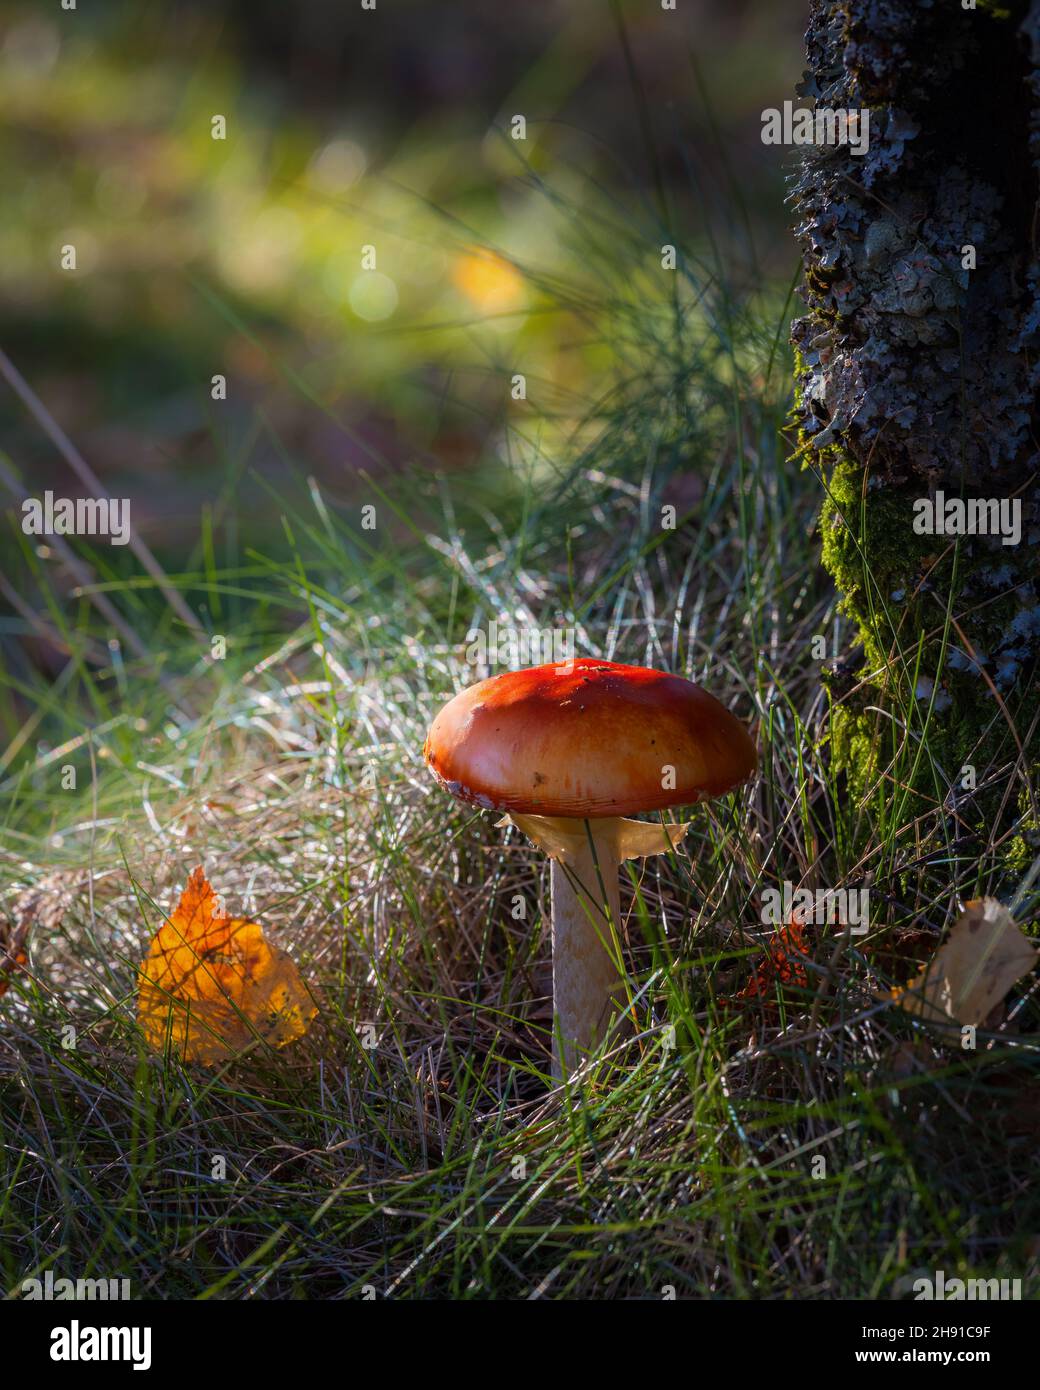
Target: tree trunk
917, 375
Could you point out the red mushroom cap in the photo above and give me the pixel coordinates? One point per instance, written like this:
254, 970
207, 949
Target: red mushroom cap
587, 738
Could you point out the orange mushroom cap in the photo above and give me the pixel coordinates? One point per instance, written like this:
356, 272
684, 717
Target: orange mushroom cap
587, 738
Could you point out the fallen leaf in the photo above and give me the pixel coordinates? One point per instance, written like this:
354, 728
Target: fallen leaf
984, 955
783, 962
44, 905
12, 946
12, 958
212, 984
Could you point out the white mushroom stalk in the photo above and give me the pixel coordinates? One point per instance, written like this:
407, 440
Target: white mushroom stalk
587, 960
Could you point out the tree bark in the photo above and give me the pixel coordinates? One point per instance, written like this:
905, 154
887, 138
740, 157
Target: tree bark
916, 375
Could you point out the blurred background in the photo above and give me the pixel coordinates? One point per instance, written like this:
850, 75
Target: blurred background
345, 128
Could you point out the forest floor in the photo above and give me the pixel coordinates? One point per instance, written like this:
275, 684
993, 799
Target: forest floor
805, 1139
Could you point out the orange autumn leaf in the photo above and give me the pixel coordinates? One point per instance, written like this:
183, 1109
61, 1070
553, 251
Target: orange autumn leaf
212, 984
783, 962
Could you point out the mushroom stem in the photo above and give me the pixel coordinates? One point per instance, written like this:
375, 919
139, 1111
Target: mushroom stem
586, 919
586, 977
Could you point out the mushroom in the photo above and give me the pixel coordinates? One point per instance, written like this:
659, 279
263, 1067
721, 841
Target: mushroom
569, 750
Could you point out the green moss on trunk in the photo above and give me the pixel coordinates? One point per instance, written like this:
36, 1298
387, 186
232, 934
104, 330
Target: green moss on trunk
925, 646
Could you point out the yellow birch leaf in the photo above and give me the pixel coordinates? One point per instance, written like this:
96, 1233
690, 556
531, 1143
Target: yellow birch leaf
213, 985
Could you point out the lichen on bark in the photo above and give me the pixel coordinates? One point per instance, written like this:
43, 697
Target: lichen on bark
915, 374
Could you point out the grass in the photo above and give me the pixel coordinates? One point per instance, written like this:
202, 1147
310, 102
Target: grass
810, 1143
